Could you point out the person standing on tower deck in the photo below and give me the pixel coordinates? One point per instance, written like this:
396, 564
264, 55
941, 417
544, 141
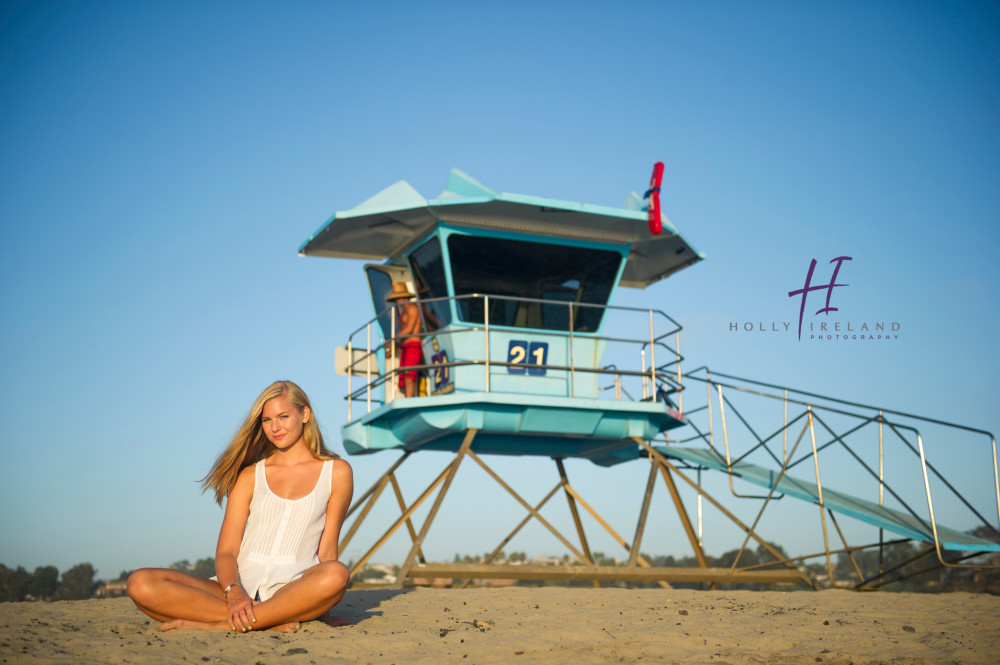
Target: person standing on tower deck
407, 339
276, 562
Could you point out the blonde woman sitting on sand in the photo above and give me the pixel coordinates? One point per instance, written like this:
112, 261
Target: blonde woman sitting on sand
276, 561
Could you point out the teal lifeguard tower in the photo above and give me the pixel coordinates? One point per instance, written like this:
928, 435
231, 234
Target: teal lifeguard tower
514, 294
524, 355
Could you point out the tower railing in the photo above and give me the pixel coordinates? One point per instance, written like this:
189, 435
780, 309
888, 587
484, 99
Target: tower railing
629, 361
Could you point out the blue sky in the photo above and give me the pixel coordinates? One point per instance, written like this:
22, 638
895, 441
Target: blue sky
162, 162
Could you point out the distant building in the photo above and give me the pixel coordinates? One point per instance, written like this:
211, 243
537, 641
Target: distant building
112, 589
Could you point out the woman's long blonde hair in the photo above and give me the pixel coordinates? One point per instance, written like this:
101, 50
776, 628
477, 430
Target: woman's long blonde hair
249, 445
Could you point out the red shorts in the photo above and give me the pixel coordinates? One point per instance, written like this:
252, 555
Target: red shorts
410, 355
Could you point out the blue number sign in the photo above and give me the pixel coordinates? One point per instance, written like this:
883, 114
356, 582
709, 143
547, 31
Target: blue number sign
520, 352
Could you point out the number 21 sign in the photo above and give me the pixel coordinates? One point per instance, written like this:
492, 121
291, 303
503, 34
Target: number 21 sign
520, 352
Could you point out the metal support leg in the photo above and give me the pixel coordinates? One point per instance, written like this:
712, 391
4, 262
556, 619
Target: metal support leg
576, 517
614, 534
406, 515
534, 513
404, 570
576, 514
767, 500
402, 506
850, 552
527, 518
682, 513
779, 557
641, 526
372, 489
372, 495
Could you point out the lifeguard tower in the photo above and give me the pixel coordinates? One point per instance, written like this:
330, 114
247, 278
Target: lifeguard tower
524, 355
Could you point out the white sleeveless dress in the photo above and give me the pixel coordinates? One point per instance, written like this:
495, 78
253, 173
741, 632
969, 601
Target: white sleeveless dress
281, 539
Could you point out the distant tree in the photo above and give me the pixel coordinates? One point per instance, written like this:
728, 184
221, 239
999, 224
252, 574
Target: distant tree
747, 558
661, 560
601, 559
204, 568
77, 583
763, 556
986, 533
44, 582
868, 561
183, 565
123, 576
13, 583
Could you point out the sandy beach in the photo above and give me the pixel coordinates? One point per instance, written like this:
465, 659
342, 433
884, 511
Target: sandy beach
539, 625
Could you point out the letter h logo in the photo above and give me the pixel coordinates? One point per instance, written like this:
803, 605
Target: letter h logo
804, 291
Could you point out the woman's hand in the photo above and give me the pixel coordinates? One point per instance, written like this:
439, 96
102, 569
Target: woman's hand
241, 616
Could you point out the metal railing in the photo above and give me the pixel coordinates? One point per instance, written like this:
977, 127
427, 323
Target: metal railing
365, 343
817, 409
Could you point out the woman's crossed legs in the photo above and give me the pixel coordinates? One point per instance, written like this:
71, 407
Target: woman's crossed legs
180, 600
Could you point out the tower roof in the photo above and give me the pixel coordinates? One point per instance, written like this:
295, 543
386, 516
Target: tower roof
386, 224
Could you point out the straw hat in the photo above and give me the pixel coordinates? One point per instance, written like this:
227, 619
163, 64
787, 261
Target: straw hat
399, 291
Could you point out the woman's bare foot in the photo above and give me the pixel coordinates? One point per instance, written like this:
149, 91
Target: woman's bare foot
286, 627
179, 624
334, 621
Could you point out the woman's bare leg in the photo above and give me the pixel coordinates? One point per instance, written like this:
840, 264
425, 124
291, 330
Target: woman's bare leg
309, 597
166, 594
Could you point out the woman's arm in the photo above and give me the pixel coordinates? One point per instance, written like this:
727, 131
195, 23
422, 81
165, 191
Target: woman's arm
241, 614
336, 509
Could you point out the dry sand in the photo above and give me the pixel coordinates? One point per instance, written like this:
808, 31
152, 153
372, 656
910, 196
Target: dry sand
539, 625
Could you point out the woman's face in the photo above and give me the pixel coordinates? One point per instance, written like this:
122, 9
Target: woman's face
282, 422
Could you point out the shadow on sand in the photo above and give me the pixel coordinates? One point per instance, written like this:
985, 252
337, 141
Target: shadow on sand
361, 604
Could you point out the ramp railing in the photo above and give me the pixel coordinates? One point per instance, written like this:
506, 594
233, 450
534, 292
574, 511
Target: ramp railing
865, 447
